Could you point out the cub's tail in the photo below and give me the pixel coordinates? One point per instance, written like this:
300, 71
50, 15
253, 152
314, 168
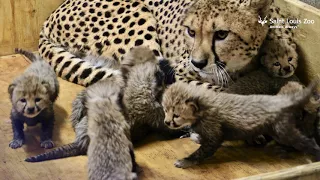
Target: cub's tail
64, 151
302, 97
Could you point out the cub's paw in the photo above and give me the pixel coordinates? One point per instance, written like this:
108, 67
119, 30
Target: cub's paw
258, 141
16, 143
185, 135
133, 176
184, 163
47, 144
195, 138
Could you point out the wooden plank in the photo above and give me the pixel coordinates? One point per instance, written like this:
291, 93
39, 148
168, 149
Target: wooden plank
21, 22
304, 172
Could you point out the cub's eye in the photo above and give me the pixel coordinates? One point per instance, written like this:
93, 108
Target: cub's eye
175, 116
276, 64
290, 59
190, 32
37, 99
221, 35
23, 100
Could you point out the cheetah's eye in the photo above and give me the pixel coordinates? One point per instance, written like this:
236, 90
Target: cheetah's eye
290, 59
23, 100
276, 64
175, 116
221, 35
190, 32
37, 99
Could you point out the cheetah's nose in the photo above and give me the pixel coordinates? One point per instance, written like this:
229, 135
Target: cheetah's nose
287, 69
167, 123
30, 110
201, 64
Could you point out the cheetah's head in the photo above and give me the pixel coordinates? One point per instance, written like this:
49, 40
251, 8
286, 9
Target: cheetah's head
29, 95
279, 57
180, 105
224, 35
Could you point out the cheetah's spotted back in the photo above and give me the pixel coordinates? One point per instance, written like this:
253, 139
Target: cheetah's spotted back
111, 28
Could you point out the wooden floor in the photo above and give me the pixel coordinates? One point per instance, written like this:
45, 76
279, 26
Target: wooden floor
155, 156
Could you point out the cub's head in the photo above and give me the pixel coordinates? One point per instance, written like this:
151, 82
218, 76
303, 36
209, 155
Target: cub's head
180, 108
224, 35
29, 96
279, 57
138, 55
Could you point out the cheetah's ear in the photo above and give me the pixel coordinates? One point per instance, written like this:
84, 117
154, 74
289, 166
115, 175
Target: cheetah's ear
193, 103
11, 88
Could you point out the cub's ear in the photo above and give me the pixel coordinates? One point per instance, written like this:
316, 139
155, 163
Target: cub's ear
294, 46
193, 103
261, 6
11, 88
46, 85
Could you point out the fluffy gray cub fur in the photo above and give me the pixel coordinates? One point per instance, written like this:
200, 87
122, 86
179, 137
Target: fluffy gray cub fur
258, 82
309, 118
80, 145
217, 117
32, 95
142, 94
109, 154
144, 81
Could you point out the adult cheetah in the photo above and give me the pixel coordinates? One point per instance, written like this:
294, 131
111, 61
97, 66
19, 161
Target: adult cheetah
202, 39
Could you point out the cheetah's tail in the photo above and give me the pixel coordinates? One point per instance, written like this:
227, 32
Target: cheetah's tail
64, 151
31, 56
68, 66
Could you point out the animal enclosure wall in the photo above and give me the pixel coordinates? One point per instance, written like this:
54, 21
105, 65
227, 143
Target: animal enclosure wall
307, 36
21, 21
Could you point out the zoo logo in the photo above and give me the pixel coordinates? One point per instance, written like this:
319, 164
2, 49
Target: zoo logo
262, 22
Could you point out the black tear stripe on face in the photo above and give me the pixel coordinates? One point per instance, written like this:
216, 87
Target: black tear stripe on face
37, 107
280, 73
24, 107
294, 68
216, 57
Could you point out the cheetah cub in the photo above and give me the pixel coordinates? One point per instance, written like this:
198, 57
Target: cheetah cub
279, 57
143, 93
32, 96
220, 116
309, 118
110, 151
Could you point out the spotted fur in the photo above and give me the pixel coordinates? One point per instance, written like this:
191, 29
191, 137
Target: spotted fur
111, 28
278, 53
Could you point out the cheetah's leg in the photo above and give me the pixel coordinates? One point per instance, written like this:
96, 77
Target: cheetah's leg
208, 147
